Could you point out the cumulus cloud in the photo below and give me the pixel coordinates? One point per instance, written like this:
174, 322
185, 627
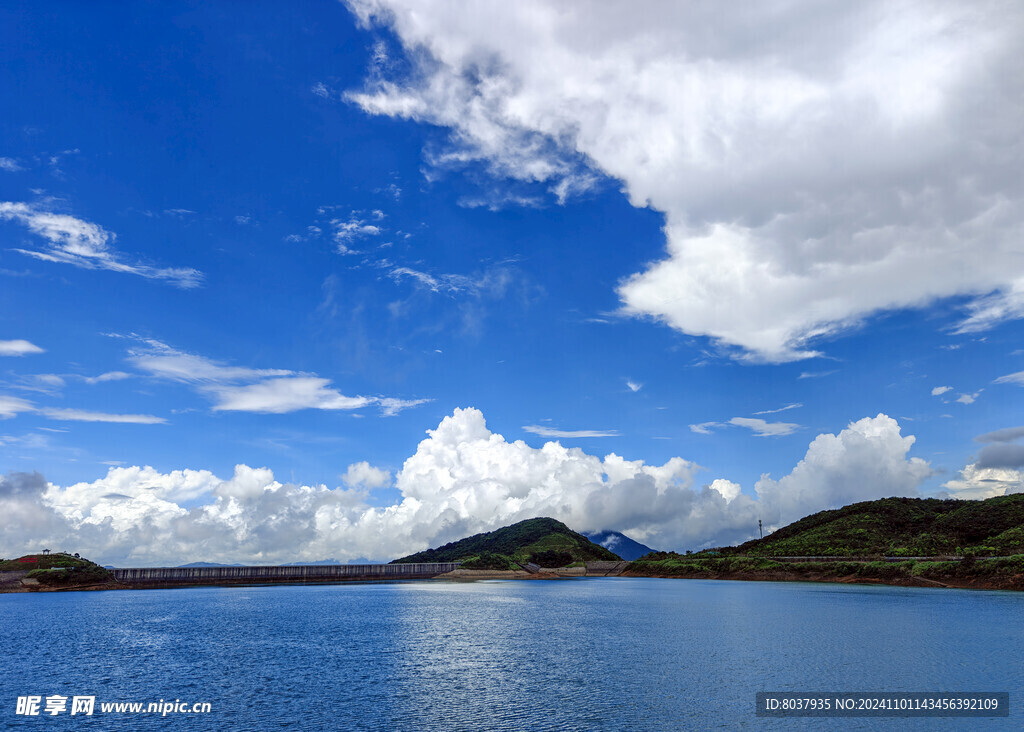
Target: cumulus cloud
727, 488
867, 460
18, 348
634, 386
977, 481
816, 163
366, 475
462, 479
86, 245
940, 390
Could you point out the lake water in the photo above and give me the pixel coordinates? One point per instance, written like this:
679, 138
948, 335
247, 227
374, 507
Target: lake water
589, 654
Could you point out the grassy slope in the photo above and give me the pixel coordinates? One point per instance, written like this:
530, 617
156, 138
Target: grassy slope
901, 527
867, 531
59, 570
525, 541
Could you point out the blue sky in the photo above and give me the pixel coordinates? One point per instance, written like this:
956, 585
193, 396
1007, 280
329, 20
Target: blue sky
296, 239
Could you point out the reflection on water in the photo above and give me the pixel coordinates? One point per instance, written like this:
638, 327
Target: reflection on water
610, 653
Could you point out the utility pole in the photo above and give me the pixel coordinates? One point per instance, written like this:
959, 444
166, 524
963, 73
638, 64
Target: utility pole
759, 528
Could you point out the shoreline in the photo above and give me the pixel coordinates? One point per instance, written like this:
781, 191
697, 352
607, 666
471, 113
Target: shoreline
1013, 584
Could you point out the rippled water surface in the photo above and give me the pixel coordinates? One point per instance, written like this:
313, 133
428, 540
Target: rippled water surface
611, 653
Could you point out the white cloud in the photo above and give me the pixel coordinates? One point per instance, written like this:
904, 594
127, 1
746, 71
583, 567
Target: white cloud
81, 415
762, 428
18, 348
346, 232
816, 164
977, 482
390, 406
462, 479
727, 488
867, 460
795, 405
364, 474
10, 165
160, 360
569, 434
634, 386
10, 406
242, 389
815, 374
1016, 378
86, 245
493, 282
968, 398
704, 428
278, 396
940, 390
105, 377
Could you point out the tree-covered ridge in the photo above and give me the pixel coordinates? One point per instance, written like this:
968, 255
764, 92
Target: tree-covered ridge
59, 569
900, 527
547, 542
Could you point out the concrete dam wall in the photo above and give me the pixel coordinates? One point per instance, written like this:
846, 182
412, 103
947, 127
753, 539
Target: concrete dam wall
317, 573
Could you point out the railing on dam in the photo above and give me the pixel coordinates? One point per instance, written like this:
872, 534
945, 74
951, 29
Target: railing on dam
306, 573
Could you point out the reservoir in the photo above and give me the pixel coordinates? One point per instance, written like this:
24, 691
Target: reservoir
586, 654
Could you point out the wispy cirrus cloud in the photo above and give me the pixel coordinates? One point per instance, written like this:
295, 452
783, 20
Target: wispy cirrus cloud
70, 240
19, 348
705, 428
244, 389
1015, 378
567, 434
82, 415
795, 405
761, 428
11, 406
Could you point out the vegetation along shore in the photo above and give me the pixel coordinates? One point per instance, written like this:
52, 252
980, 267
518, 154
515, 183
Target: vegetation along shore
896, 541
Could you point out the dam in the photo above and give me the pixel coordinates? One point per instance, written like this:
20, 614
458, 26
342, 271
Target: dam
163, 576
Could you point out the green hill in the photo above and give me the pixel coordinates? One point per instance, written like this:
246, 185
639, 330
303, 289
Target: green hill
984, 541
59, 570
901, 527
544, 541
